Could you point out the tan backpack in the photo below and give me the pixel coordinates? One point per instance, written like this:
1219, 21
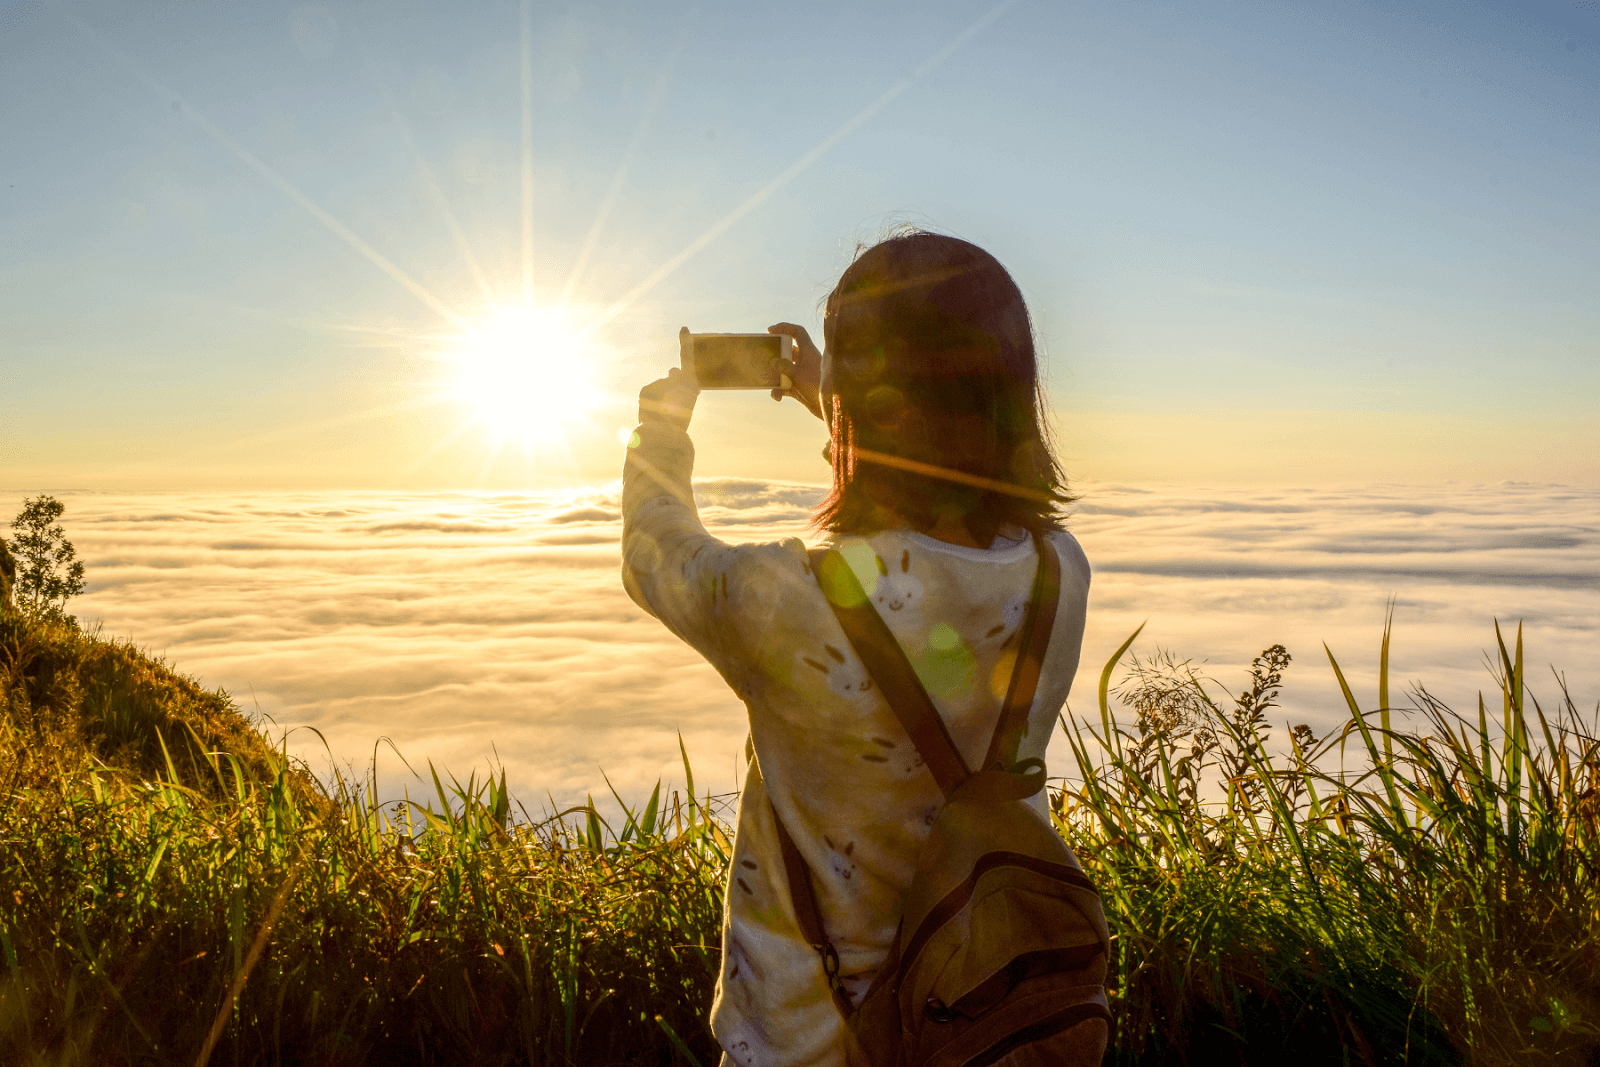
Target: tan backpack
1001, 951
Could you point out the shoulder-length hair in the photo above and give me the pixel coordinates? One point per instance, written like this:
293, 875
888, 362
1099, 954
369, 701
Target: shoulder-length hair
936, 408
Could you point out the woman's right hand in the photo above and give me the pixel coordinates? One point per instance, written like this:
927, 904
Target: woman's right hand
671, 399
805, 372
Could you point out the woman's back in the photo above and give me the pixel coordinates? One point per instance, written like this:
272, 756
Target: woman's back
931, 395
830, 756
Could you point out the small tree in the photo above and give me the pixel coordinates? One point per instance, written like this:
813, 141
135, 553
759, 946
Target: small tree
48, 570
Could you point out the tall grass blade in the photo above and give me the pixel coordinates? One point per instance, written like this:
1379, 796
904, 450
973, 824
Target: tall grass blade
688, 775
1112, 737
1383, 685
1382, 765
677, 1042
647, 822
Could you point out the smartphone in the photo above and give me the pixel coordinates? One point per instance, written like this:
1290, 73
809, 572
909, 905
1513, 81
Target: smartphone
738, 360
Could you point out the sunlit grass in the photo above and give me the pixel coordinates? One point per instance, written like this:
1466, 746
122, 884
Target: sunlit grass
138, 905
1436, 902
172, 891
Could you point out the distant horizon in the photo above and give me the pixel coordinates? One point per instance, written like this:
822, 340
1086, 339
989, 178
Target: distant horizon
814, 483
461, 624
1157, 448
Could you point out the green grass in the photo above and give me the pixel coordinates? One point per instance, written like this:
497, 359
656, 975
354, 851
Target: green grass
230, 910
174, 891
1437, 903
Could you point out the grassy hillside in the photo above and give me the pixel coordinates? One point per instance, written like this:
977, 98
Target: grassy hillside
173, 891
75, 699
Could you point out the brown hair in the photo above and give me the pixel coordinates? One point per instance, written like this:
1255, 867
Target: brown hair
936, 406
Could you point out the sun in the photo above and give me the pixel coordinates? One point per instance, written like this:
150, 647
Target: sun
526, 371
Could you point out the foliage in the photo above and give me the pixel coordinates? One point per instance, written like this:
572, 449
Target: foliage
8, 574
48, 570
67, 695
246, 918
1439, 903
203, 900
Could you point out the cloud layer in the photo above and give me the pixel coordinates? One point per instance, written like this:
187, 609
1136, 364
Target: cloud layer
475, 628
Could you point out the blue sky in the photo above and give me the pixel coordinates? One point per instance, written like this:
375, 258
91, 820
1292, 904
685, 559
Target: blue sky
1262, 241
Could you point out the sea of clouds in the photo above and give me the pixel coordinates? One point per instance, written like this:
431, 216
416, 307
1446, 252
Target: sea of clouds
479, 630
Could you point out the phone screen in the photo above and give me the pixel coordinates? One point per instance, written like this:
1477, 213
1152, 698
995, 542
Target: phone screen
738, 360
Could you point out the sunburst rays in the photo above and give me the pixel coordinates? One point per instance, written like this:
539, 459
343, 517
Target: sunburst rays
278, 181
806, 159
614, 190
527, 152
449, 347
435, 190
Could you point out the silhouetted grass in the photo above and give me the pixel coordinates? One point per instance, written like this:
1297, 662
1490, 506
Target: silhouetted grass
172, 890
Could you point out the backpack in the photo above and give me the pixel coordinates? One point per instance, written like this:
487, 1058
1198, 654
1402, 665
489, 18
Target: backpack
1002, 945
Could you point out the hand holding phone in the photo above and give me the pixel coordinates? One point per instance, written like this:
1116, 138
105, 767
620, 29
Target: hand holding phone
738, 360
807, 372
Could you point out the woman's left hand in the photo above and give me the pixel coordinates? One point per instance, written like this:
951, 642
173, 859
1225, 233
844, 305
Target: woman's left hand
805, 372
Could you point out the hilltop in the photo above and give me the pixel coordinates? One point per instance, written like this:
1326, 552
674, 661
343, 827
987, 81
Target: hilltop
74, 699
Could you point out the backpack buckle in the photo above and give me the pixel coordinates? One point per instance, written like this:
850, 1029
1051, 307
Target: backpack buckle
830, 967
936, 1011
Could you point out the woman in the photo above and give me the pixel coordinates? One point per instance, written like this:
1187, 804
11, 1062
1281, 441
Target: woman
941, 476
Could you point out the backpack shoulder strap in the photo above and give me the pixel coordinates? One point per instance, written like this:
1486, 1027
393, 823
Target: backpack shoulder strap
889, 669
1031, 646
892, 672
808, 914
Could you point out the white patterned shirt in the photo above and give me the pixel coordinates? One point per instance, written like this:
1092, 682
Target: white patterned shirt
830, 756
